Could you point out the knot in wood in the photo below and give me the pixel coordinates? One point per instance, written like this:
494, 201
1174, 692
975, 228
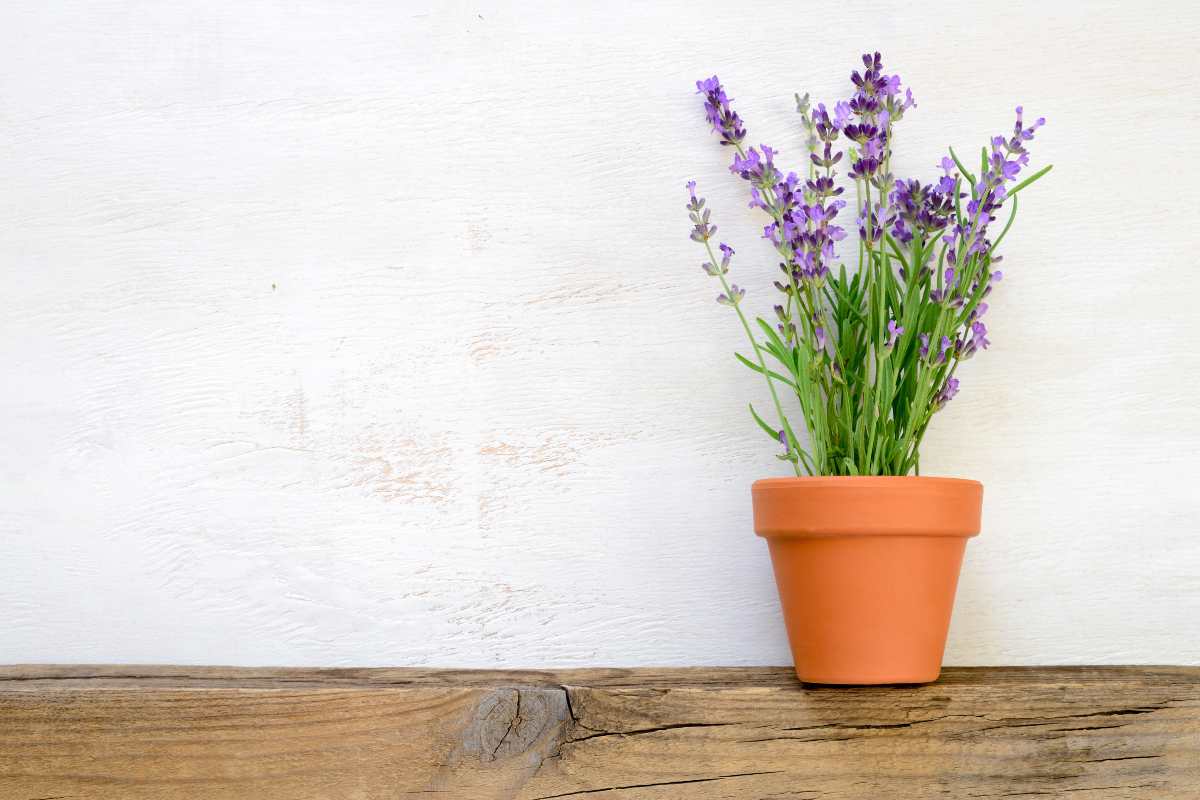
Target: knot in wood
510, 721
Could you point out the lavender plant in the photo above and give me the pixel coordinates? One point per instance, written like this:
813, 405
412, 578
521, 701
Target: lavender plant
871, 355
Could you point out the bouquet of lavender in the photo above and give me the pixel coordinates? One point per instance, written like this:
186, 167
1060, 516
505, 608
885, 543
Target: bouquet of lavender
871, 355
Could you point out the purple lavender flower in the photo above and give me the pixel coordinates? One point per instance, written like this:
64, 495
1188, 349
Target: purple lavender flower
721, 268
871, 81
721, 116
978, 341
948, 183
864, 168
863, 106
802, 226
823, 187
949, 292
944, 348
748, 166
862, 133
841, 114
894, 332
1007, 170
979, 334
825, 128
1005, 163
869, 218
702, 231
827, 158
946, 393
919, 208
733, 298
876, 105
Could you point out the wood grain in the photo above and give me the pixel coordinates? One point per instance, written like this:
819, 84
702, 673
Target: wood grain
192, 732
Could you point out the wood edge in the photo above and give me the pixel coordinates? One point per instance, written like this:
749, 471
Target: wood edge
43, 677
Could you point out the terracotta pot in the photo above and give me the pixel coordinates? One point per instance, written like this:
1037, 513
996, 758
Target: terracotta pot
866, 569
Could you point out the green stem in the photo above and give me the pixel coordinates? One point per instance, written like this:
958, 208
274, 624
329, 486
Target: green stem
783, 423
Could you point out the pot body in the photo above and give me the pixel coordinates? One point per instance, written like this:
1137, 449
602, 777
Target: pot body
867, 569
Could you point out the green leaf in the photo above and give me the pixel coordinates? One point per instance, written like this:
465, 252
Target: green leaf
1031, 179
1011, 216
774, 434
963, 169
806, 460
761, 371
772, 336
776, 347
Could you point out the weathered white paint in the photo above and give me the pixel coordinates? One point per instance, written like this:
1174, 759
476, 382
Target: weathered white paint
370, 333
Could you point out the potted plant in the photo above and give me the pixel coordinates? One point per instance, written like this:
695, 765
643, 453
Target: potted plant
866, 552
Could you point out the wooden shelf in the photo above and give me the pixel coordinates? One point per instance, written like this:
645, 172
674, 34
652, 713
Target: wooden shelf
1084, 733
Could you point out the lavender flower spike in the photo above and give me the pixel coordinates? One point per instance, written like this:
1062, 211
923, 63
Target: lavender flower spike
702, 231
721, 116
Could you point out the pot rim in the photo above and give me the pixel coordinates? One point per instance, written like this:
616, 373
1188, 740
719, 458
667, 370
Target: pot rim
859, 480
873, 505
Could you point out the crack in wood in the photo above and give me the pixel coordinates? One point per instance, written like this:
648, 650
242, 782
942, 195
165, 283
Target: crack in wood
857, 727
643, 731
513, 721
1087, 728
1116, 758
1040, 793
657, 783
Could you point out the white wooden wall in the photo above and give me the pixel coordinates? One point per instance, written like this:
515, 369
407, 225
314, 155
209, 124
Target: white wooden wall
370, 333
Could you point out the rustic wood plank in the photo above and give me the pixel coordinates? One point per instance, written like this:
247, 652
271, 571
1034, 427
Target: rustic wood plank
1089, 733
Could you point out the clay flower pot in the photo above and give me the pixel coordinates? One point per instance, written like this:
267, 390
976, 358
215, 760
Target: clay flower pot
867, 569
